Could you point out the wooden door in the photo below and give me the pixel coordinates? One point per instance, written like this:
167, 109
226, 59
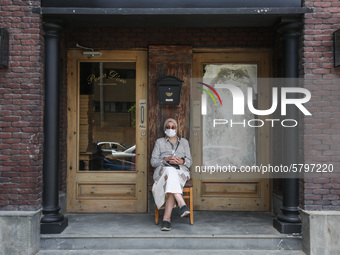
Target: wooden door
107, 132
226, 146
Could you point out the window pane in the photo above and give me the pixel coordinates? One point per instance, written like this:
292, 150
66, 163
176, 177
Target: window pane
224, 145
107, 116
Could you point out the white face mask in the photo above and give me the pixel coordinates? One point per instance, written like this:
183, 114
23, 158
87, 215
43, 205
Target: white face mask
170, 132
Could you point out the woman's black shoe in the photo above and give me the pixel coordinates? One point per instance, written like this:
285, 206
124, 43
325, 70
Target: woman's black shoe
166, 225
184, 210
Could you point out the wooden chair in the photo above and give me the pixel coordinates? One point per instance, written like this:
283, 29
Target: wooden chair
188, 198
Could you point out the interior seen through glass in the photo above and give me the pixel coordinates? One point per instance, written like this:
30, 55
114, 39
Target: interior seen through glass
107, 117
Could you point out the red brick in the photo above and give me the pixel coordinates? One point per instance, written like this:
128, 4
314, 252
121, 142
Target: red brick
322, 4
320, 191
322, 202
323, 15
321, 180
335, 191
336, 202
331, 197
312, 197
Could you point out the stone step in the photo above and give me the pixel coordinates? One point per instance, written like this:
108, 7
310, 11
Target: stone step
166, 240
236, 231
167, 252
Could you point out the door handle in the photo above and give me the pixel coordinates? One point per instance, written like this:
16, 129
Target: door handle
142, 117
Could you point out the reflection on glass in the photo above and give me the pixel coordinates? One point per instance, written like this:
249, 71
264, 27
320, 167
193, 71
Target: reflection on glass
224, 145
107, 116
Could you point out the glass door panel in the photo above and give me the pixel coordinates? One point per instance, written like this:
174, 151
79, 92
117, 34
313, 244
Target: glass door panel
107, 135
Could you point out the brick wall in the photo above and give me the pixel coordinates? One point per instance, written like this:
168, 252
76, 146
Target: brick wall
122, 38
321, 138
21, 108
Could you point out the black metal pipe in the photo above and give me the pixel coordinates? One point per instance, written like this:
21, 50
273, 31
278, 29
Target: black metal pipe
50, 202
290, 135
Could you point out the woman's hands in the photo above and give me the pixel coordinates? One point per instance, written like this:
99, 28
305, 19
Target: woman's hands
174, 160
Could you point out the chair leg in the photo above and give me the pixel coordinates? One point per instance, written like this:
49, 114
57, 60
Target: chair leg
187, 201
156, 215
191, 207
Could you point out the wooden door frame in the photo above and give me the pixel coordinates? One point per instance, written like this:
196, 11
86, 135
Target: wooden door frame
262, 57
74, 57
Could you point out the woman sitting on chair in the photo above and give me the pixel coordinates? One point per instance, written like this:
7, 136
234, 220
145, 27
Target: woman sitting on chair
172, 159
